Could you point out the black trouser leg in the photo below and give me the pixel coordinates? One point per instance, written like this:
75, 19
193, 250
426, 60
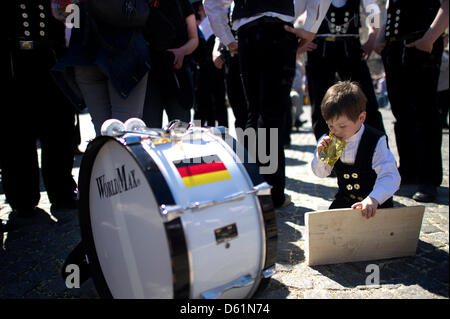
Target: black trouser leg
235, 92
443, 105
321, 75
352, 67
20, 171
412, 77
19, 159
267, 54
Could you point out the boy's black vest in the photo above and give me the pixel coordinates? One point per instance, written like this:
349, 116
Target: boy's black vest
405, 17
249, 8
356, 181
343, 20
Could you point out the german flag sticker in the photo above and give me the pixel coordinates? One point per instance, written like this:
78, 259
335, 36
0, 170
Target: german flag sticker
202, 170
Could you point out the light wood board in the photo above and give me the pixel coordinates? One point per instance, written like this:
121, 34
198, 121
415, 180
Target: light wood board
343, 235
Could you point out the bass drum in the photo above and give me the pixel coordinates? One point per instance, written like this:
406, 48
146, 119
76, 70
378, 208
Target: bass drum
184, 218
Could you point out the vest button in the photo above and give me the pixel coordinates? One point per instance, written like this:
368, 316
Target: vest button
349, 187
360, 199
357, 186
346, 176
355, 175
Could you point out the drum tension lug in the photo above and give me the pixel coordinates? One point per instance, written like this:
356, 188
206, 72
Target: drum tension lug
262, 189
170, 213
240, 282
268, 272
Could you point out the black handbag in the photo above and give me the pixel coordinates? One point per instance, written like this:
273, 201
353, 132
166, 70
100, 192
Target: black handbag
120, 13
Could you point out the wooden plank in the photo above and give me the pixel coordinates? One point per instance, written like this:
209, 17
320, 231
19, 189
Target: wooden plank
343, 235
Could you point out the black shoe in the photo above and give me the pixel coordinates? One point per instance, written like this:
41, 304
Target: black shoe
425, 193
299, 123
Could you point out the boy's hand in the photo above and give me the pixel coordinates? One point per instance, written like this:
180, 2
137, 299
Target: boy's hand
368, 206
323, 144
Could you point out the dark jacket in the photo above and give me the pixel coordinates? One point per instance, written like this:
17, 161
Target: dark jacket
122, 53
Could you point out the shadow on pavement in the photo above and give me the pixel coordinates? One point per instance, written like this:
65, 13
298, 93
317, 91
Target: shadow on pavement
303, 148
306, 188
442, 197
428, 269
32, 257
294, 162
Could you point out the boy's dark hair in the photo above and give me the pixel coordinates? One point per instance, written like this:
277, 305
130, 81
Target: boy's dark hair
343, 98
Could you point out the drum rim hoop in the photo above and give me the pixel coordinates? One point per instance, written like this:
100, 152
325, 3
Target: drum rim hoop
174, 230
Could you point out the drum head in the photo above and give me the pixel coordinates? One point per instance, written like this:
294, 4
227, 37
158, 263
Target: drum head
121, 225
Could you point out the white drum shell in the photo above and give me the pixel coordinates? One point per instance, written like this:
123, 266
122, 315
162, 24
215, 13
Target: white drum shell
212, 264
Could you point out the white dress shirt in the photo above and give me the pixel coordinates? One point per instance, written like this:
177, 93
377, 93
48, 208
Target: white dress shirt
217, 11
383, 163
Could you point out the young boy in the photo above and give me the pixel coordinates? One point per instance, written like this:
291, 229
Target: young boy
366, 170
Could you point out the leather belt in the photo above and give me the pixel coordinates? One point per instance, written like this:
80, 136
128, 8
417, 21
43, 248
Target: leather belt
335, 37
263, 21
406, 37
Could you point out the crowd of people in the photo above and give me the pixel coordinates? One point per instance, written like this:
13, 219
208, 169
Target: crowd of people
211, 54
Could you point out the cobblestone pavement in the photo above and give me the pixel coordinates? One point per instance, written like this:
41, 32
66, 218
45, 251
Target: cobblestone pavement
32, 257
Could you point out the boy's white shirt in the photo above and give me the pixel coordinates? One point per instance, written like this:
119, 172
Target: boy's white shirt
383, 163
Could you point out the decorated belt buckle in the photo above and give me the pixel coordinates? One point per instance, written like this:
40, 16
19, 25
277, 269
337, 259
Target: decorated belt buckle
330, 38
26, 45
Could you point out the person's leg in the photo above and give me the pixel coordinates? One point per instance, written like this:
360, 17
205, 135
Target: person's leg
401, 98
443, 106
320, 73
352, 67
235, 92
93, 84
175, 111
153, 108
18, 157
56, 130
133, 106
428, 134
267, 56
